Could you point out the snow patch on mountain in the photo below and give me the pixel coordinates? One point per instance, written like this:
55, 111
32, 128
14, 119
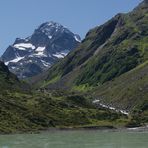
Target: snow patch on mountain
77, 38
46, 64
23, 46
61, 54
14, 60
40, 54
40, 49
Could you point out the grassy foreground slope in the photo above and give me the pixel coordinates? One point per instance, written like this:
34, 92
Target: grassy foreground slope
22, 110
32, 112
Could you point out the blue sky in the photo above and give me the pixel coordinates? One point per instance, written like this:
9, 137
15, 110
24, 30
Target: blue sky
19, 18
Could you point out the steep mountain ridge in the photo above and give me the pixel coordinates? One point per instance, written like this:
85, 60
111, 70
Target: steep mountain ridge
110, 63
106, 52
35, 54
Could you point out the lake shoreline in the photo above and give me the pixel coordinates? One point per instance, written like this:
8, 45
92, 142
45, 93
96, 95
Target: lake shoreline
89, 128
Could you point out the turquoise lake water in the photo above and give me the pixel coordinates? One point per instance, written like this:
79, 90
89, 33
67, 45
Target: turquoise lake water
76, 139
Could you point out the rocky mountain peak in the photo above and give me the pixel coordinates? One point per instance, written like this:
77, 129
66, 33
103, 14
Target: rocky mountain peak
29, 56
50, 28
50, 24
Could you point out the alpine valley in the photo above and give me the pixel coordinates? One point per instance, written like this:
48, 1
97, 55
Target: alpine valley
100, 82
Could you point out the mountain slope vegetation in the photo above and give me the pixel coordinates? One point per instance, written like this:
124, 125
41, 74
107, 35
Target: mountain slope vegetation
23, 110
107, 52
130, 86
9, 82
32, 112
113, 55
110, 66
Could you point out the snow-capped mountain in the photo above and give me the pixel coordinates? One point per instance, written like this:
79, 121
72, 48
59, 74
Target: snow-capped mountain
32, 55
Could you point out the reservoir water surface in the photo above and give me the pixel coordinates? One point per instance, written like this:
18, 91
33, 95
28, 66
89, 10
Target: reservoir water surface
76, 139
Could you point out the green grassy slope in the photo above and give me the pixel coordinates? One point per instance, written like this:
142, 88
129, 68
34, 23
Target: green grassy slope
31, 112
9, 82
127, 92
111, 62
22, 110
